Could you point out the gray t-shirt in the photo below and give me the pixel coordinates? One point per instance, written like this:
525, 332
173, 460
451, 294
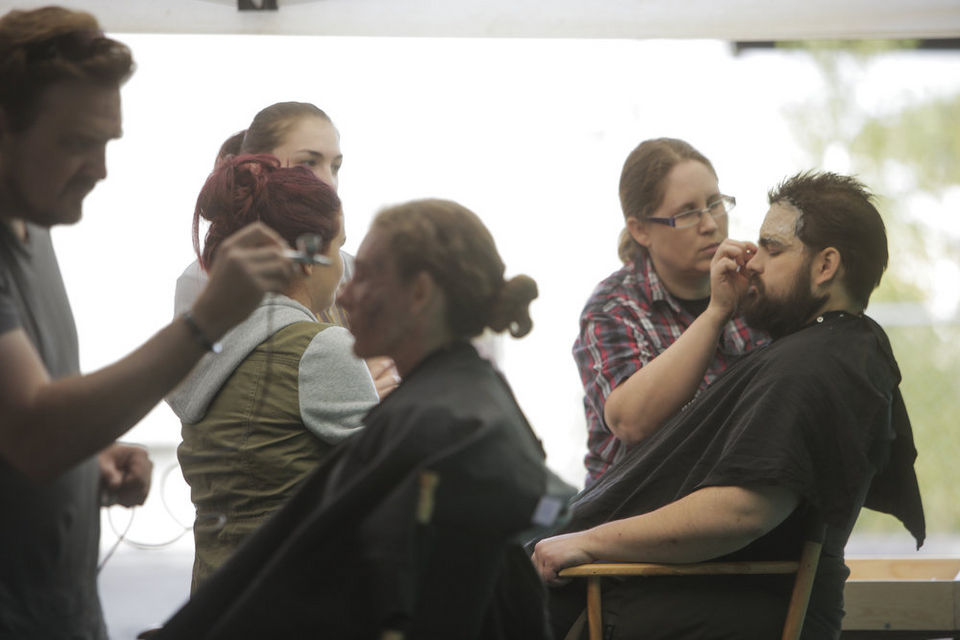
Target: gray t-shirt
50, 533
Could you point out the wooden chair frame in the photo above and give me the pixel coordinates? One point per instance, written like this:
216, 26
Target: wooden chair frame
805, 570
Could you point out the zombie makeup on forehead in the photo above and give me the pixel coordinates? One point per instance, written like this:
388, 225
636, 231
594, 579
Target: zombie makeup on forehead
780, 226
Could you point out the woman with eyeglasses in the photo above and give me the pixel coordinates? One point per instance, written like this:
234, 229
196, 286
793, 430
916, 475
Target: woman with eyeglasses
655, 332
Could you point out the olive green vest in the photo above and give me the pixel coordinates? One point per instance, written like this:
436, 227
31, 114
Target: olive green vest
250, 451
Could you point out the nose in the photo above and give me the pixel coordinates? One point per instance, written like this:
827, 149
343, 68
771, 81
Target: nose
754, 264
708, 224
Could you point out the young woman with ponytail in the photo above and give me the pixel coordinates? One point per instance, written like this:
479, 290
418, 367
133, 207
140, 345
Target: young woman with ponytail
413, 527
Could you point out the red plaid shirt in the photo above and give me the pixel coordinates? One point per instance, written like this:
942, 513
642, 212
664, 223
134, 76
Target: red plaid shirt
628, 321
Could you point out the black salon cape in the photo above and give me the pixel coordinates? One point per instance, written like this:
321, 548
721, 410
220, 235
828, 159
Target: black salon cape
346, 557
818, 412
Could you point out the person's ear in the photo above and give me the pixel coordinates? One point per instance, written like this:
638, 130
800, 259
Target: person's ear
638, 230
422, 289
428, 299
826, 266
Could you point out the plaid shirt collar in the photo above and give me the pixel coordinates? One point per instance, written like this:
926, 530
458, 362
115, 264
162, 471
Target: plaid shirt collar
645, 279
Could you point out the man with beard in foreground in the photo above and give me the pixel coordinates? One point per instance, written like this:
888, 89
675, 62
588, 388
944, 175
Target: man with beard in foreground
60, 80
813, 422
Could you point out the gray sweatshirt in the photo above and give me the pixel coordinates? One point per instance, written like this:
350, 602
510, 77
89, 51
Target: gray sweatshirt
335, 387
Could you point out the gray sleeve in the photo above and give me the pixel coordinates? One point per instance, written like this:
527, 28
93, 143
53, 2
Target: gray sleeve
335, 386
189, 284
9, 317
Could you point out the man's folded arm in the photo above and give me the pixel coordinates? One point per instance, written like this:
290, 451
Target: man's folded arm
706, 524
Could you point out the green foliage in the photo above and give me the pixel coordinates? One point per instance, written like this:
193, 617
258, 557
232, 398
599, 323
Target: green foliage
894, 289
901, 153
924, 137
931, 390
907, 243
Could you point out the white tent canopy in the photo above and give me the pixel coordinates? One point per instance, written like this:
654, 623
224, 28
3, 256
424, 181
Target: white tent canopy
720, 19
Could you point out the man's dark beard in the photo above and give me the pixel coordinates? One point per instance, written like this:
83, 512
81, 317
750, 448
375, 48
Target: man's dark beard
784, 316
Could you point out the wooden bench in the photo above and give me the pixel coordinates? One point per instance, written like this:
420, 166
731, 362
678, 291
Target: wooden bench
907, 598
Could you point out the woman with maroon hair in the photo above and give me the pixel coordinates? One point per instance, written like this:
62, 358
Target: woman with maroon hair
298, 134
262, 412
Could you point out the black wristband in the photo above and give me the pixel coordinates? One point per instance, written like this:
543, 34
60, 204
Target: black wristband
198, 333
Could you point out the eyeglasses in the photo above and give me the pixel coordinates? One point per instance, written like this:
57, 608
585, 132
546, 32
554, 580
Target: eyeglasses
718, 208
